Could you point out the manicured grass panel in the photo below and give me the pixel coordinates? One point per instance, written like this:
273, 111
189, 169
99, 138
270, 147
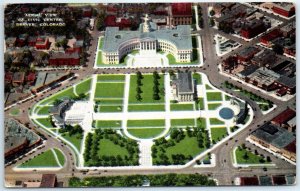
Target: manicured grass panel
218, 133
107, 147
110, 77
110, 108
60, 156
146, 108
74, 140
109, 90
182, 122
45, 121
182, 107
147, 89
146, 123
83, 87
198, 78
43, 110
214, 106
146, 132
108, 123
215, 121
214, 96
45, 159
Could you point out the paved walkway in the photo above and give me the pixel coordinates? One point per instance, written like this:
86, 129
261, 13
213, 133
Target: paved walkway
145, 152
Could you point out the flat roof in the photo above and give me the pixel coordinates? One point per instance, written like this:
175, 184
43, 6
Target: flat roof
274, 135
180, 37
264, 76
185, 82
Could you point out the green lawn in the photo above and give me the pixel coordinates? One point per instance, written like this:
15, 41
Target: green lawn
107, 147
214, 96
171, 59
74, 139
109, 90
146, 107
208, 87
198, 78
83, 87
182, 107
252, 158
111, 108
187, 146
108, 123
146, 123
99, 59
60, 156
15, 111
147, 89
146, 133
182, 122
218, 133
43, 110
227, 97
100, 46
201, 122
109, 101
213, 106
45, 159
65, 93
215, 121
110, 77
201, 103
45, 121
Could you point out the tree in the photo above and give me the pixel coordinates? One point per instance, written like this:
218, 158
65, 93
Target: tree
212, 13
245, 156
211, 22
138, 90
278, 49
269, 159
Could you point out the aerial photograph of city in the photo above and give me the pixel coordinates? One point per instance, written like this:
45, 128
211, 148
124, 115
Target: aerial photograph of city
184, 94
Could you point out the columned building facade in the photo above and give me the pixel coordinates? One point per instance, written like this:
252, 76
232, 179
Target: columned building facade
148, 40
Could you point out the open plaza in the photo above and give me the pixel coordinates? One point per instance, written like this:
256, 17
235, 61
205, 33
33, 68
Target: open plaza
186, 102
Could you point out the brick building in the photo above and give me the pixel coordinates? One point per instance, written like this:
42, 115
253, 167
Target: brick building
181, 14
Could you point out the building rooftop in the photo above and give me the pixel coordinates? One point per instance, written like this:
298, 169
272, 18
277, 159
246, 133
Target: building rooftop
292, 122
289, 27
284, 117
265, 181
19, 76
180, 36
16, 133
48, 181
249, 181
185, 82
264, 76
248, 51
182, 9
63, 55
248, 70
274, 135
287, 81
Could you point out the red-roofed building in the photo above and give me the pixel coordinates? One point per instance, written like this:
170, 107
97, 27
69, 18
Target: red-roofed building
8, 77
110, 10
87, 12
279, 180
42, 42
30, 78
252, 29
266, 39
181, 14
32, 41
249, 181
112, 21
289, 151
284, 117
64, 59
284, 9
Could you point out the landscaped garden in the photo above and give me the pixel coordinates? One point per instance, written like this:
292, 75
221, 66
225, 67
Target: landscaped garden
214, 96
182, 146
107, 124
245, 156
108, 148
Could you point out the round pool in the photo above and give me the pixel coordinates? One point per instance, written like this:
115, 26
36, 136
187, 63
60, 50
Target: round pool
226, 113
